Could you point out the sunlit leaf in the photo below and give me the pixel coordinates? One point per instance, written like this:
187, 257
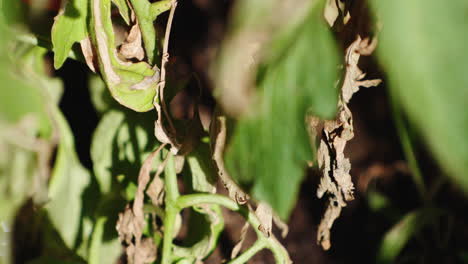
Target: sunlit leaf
70, 27
269, 148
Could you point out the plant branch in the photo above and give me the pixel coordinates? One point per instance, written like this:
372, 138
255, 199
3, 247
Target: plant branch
249, 253
279, 252
172, 189
172, 194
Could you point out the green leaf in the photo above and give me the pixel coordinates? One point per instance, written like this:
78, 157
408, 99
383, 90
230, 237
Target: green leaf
270, 147
36, 95
398, 236
120, 143
96, 241
70, 26
201, 168
68, 182
123, 10
423, 50
12, 12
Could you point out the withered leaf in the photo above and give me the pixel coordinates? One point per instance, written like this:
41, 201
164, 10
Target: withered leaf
218, 134
336, 179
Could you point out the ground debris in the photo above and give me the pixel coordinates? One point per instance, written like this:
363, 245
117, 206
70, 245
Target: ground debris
335, 183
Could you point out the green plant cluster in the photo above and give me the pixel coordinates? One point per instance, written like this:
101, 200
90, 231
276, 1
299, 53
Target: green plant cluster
294, 72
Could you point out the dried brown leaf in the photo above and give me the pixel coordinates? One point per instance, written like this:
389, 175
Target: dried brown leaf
132, 47
218, 138
237, 248
131, 222
125, 226
146, 252
156, 189
336, 180
354, 75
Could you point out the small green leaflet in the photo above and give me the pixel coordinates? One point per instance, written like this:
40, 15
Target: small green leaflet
69, 27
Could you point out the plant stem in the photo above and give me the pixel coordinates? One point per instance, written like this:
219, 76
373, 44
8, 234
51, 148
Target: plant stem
172, 193
190, 200
279, 252
172, 189
249, 253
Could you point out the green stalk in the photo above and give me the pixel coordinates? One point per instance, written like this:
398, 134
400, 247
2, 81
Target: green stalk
249, 253
172, 193
279, 252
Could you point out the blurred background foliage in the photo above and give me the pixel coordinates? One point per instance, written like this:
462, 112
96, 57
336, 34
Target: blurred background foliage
55, 210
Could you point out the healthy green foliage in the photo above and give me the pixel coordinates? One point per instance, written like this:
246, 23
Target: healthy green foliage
34, 104
426, 68
269, 149
69, 28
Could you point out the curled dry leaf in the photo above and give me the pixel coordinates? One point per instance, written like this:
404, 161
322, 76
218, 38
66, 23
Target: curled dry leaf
283, 227
156, 189
132, 47
237, 248
354, 76
336, 182
218, 138
131, 222
334, 9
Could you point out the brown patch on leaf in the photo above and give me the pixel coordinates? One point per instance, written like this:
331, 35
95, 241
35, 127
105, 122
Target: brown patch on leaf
89, 53
132, 47
336, 183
